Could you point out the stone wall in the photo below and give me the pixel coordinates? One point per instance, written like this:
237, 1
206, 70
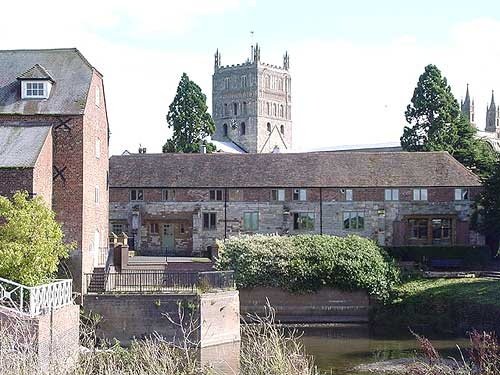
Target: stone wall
384, 221
54, 335
326, 306
126, 317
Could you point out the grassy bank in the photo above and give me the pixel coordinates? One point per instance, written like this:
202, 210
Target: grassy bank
440, 306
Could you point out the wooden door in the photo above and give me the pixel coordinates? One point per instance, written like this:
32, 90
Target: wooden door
168, 239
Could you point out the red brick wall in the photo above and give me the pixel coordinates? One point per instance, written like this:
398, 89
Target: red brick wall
42, 173
12, 180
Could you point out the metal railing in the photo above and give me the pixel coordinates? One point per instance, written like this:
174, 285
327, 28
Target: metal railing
158, 282
35, 300
102, 255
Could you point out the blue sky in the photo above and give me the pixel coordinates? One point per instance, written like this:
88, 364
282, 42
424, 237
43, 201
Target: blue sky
354, 64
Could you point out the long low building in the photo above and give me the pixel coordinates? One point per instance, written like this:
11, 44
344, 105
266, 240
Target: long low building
181, 204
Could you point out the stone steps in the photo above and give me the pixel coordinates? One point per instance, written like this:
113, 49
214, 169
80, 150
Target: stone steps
97, 281
491, 274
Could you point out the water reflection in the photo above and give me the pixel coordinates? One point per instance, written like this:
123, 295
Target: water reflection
336, 349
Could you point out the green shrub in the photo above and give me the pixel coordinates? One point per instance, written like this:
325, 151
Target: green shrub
471, 255
307, 263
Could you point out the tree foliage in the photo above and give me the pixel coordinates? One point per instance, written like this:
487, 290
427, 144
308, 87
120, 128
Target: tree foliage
189, 119
437, 124
31, 241
306, 263
487, 216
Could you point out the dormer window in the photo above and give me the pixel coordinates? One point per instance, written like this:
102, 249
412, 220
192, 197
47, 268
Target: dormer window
38, 90
36, 83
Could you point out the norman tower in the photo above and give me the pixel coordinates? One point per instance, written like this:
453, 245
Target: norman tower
251, 104
467, 107
492, 115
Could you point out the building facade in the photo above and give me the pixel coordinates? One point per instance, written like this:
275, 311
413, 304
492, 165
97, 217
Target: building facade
180, 204
252, 104
60, 91
491, 132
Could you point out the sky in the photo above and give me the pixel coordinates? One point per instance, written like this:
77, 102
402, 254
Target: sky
354, 64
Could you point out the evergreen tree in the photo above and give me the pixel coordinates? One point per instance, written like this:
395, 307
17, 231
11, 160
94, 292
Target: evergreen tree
487, 217
437, 124
189, 119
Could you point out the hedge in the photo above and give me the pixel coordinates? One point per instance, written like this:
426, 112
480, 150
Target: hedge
471, 255
306, 263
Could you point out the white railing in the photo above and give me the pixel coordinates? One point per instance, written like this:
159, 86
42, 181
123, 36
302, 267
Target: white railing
35, 300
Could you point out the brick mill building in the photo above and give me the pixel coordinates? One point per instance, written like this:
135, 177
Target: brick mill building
183, 203
54, 144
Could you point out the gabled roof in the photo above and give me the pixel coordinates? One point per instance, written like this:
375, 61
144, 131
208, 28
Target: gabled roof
70, 71
20, 145
37, 72
315, 169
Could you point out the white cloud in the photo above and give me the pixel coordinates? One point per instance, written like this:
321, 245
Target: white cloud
343, 92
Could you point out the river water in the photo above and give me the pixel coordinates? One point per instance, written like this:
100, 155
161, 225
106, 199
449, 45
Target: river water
337, 349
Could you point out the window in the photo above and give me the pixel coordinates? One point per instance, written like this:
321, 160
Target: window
267, 81
251, 221
441, 230
226, 112
269, 127
278, 195
299, 194
96, 194
97, 96
282, 113
418, 229
168, 194
136, 195
216, 195
209, 221
461, 194
224, 129
391, 194
117, 228
245, 108
235, 109
282, 129
419, 194
97, 148
275, 111
243, 81
226, 83
153, 228
183, 228
348, 194
268, 105
35, 90
303, 221
354, 220
243, 129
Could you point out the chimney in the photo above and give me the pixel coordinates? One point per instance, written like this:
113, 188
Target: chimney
203, 149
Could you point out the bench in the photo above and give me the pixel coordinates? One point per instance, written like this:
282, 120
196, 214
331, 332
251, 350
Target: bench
446, 263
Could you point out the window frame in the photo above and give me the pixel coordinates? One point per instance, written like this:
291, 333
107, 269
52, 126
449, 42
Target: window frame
44, 89
276, 194
353, 214
218, 195
298, 224
253, 220
418, 195
209, 221
96, 194
167, 195
349, 195
391, 195
299, 195
463, 194
136, 191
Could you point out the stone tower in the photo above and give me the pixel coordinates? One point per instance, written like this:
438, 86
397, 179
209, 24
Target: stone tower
492, 116
251, 104
467, 107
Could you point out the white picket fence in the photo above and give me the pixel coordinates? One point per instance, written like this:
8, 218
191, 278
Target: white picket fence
35, 300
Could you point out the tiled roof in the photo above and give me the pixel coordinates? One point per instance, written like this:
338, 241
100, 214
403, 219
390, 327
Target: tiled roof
332, 169
36, 72
69, 70
20, 145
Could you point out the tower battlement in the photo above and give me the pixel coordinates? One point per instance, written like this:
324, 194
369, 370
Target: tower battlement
251, 103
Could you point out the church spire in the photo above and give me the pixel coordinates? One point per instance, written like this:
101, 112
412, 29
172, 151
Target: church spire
467, 107
217, 60
286, 61
492, 115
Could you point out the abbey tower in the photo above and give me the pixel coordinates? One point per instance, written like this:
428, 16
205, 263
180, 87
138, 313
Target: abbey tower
251, 104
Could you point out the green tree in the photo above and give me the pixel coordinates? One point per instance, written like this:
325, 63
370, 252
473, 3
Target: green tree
189, 118
31, 241
437, 124
487, 217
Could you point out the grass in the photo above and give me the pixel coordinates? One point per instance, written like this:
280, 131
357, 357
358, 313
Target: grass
440, 307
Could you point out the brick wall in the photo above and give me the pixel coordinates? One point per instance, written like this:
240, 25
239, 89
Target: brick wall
15, 179
42, 172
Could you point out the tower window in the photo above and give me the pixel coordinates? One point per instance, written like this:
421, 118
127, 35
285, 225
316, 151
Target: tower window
282, 129
281, 111
245, 109
269, 127
243, 128
243, 81
226, 83
226, 112
235, 109
268, 82
224, 129
275, 111
268, 108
